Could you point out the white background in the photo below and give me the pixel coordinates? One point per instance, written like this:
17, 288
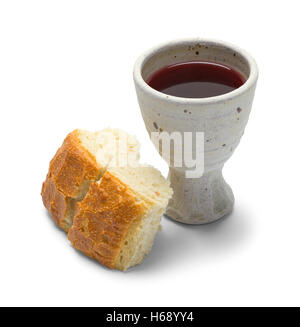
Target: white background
67, 65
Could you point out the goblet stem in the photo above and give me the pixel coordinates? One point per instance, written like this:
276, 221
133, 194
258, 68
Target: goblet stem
199, 200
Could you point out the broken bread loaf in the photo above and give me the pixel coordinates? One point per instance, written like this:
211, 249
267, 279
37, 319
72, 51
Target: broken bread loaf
82, 159
118, 219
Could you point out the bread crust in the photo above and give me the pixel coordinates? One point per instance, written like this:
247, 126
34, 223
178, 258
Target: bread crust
71, 165
103, 218
71, 170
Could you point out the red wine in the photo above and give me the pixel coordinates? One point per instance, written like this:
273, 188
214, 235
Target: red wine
196, 79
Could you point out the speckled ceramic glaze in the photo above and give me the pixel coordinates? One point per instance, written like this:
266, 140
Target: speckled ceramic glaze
222, 119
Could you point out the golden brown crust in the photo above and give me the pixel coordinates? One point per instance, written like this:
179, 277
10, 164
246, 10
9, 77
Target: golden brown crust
54, 201
71, 165
103, 218
59, 206
71, 169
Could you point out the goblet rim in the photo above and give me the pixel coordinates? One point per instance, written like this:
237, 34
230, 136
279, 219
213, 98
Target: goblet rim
143, 58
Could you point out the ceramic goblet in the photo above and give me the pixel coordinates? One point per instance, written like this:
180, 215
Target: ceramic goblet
222, 120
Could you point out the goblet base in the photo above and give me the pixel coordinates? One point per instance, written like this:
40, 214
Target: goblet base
199, 200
